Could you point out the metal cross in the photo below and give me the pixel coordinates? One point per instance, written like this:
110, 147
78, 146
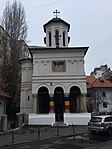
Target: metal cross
56, 13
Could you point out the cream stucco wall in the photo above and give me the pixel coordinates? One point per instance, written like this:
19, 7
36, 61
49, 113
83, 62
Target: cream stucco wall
38, 73
74, 74
26, 86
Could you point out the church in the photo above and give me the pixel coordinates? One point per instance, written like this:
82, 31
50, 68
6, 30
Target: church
53, 83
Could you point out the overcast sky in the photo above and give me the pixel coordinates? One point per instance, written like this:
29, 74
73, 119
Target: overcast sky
90, 20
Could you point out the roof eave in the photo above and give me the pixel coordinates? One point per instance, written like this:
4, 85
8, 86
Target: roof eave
51, 21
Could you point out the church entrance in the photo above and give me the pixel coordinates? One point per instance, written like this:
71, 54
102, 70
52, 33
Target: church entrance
59, 104
74, 99
43, 99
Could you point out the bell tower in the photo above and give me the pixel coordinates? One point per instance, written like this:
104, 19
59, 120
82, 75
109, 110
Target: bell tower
56, 32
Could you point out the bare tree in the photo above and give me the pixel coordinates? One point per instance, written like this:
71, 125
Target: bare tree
14, 23
4, 57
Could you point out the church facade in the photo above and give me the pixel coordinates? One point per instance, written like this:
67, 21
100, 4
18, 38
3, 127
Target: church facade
53, 85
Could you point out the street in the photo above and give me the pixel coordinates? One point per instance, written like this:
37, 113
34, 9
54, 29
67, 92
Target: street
58, 143
80, 141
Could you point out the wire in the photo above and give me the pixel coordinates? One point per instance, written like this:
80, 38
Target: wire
46, 5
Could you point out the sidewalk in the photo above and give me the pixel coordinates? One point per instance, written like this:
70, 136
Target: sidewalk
32, 133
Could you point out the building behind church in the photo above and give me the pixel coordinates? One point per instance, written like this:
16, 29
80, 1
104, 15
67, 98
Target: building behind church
53, 85
102, 71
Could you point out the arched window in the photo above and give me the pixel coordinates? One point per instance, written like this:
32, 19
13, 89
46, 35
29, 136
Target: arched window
50, 42
63, 38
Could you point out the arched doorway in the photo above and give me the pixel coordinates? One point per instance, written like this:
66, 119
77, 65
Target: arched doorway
59, 104
43, 98
74, 99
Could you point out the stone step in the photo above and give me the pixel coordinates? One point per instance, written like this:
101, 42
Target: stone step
61, 124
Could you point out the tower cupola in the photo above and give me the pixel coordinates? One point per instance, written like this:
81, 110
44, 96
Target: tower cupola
56, 32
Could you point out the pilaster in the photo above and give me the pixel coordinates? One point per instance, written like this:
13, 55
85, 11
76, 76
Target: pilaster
51, 103
84, 102
35, 106
67, 103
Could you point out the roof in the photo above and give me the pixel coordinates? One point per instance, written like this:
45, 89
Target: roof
33, 46
55, 20
93, 82
4, 94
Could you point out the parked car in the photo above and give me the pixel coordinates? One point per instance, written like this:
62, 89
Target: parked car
102, 123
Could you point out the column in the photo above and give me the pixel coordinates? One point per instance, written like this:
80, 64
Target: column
35, 103
84, 102
67, 103
80, 104
51, 103
20, 120
26, 117
4, 123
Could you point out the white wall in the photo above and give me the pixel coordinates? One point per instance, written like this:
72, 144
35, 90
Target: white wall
69, 119
41, 119
77, 118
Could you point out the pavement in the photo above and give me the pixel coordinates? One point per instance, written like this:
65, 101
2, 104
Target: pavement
73, 134
32, 133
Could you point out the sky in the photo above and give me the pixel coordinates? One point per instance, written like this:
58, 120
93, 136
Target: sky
90, 25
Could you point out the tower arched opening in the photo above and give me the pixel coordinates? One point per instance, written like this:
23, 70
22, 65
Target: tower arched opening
50, 40
64, 38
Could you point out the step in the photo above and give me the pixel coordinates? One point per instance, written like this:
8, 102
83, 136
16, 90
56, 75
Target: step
61, 124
